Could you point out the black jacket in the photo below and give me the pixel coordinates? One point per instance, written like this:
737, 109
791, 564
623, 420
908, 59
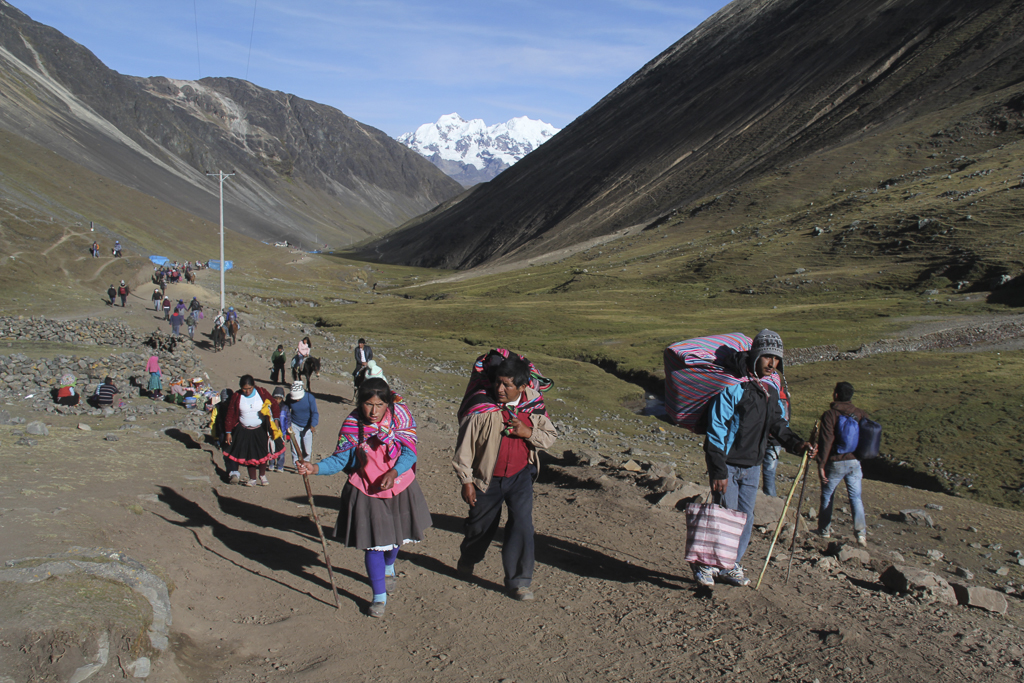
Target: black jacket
739, 422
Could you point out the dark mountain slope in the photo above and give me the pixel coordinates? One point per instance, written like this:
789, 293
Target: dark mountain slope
303, 168
759, 85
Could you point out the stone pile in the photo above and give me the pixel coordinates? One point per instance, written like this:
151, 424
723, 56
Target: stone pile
34, 380
85, 332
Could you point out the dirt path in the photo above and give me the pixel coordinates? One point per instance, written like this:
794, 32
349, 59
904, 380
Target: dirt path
615, 601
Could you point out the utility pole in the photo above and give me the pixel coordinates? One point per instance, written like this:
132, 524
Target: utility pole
221, 176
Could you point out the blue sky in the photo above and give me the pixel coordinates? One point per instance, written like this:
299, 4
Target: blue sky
393, 64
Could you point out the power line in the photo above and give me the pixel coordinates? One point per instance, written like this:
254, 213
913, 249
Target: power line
251, 34
195, 12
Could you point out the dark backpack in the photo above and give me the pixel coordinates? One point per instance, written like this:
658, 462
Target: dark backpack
869, 440
847, 434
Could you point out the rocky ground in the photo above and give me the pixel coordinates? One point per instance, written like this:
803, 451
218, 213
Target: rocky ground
92, 527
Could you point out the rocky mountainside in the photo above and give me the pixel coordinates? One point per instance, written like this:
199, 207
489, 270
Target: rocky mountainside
472, 152
303, 170
756, 90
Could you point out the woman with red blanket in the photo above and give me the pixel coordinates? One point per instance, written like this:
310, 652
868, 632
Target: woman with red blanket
252, 436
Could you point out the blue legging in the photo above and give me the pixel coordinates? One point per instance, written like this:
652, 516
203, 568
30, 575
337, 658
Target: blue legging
376, 562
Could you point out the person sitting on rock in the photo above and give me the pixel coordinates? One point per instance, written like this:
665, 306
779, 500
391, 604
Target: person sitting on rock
66, 394
105, 393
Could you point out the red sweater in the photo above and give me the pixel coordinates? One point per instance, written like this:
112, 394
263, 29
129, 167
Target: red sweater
231, 419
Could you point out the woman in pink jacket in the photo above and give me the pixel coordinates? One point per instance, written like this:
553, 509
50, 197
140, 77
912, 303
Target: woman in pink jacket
382, 506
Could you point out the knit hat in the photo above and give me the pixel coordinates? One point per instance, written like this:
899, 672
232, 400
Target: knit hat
68, 380
766, 343
279, 391
298, 390
374, 370
225, 394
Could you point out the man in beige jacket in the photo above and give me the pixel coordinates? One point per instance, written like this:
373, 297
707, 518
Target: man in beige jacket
496, 462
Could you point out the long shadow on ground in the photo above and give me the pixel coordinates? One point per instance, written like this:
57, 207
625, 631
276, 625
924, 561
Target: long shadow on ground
273, 553
576, 558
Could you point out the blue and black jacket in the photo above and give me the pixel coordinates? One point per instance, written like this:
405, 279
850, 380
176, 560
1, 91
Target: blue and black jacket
739, 422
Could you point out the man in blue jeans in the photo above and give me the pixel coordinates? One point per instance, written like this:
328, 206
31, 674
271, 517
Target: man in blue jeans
740, 420
840, 425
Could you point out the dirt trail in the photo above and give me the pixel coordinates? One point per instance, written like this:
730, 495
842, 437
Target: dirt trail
615, 602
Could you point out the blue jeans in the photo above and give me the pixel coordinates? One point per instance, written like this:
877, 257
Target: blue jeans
850, 472
741, 494
771, 462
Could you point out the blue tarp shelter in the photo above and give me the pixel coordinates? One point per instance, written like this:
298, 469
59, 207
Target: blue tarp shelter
159, 260
215, 264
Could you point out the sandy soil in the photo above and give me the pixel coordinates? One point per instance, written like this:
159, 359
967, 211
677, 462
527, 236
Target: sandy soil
615, 602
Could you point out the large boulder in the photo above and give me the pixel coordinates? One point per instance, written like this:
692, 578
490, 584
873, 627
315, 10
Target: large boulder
925, 585
916, 518
980, 597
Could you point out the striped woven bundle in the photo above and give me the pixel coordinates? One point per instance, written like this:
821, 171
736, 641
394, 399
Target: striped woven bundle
713, 535
695, 374
477, 398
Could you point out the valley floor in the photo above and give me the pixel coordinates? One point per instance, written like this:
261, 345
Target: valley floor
615, 602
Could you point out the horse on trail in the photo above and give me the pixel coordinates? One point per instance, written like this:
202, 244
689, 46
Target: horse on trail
219, 337
232, 326
305, 371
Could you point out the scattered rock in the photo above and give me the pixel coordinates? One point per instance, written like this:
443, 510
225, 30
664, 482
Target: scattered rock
897, 557
111, 437
827, 564
768, 509
684, 494
140, 668
980, 597
37, 428
662, 469
916, 518
632, 466
1003, 571
924, 585
84, 427
933, 506
935, 555
589, 458
248, 339
848, 554
964, 573
25, 441
107, 412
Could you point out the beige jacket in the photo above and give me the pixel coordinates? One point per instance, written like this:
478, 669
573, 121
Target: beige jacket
480, 437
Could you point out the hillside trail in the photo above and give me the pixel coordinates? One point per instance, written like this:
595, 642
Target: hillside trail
614, 600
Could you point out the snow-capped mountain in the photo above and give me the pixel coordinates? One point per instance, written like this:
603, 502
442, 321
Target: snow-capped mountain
472, 152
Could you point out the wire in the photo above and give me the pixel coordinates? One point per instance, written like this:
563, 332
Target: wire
195, 12
251, 34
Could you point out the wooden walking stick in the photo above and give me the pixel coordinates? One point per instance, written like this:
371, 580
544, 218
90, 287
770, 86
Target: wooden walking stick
789, 499
316, 520
799, 504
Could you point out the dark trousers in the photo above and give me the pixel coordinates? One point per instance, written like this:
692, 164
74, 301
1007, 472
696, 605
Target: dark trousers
277, 372
516, 493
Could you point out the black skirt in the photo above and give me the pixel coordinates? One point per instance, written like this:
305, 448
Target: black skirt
250, 447
369, 523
